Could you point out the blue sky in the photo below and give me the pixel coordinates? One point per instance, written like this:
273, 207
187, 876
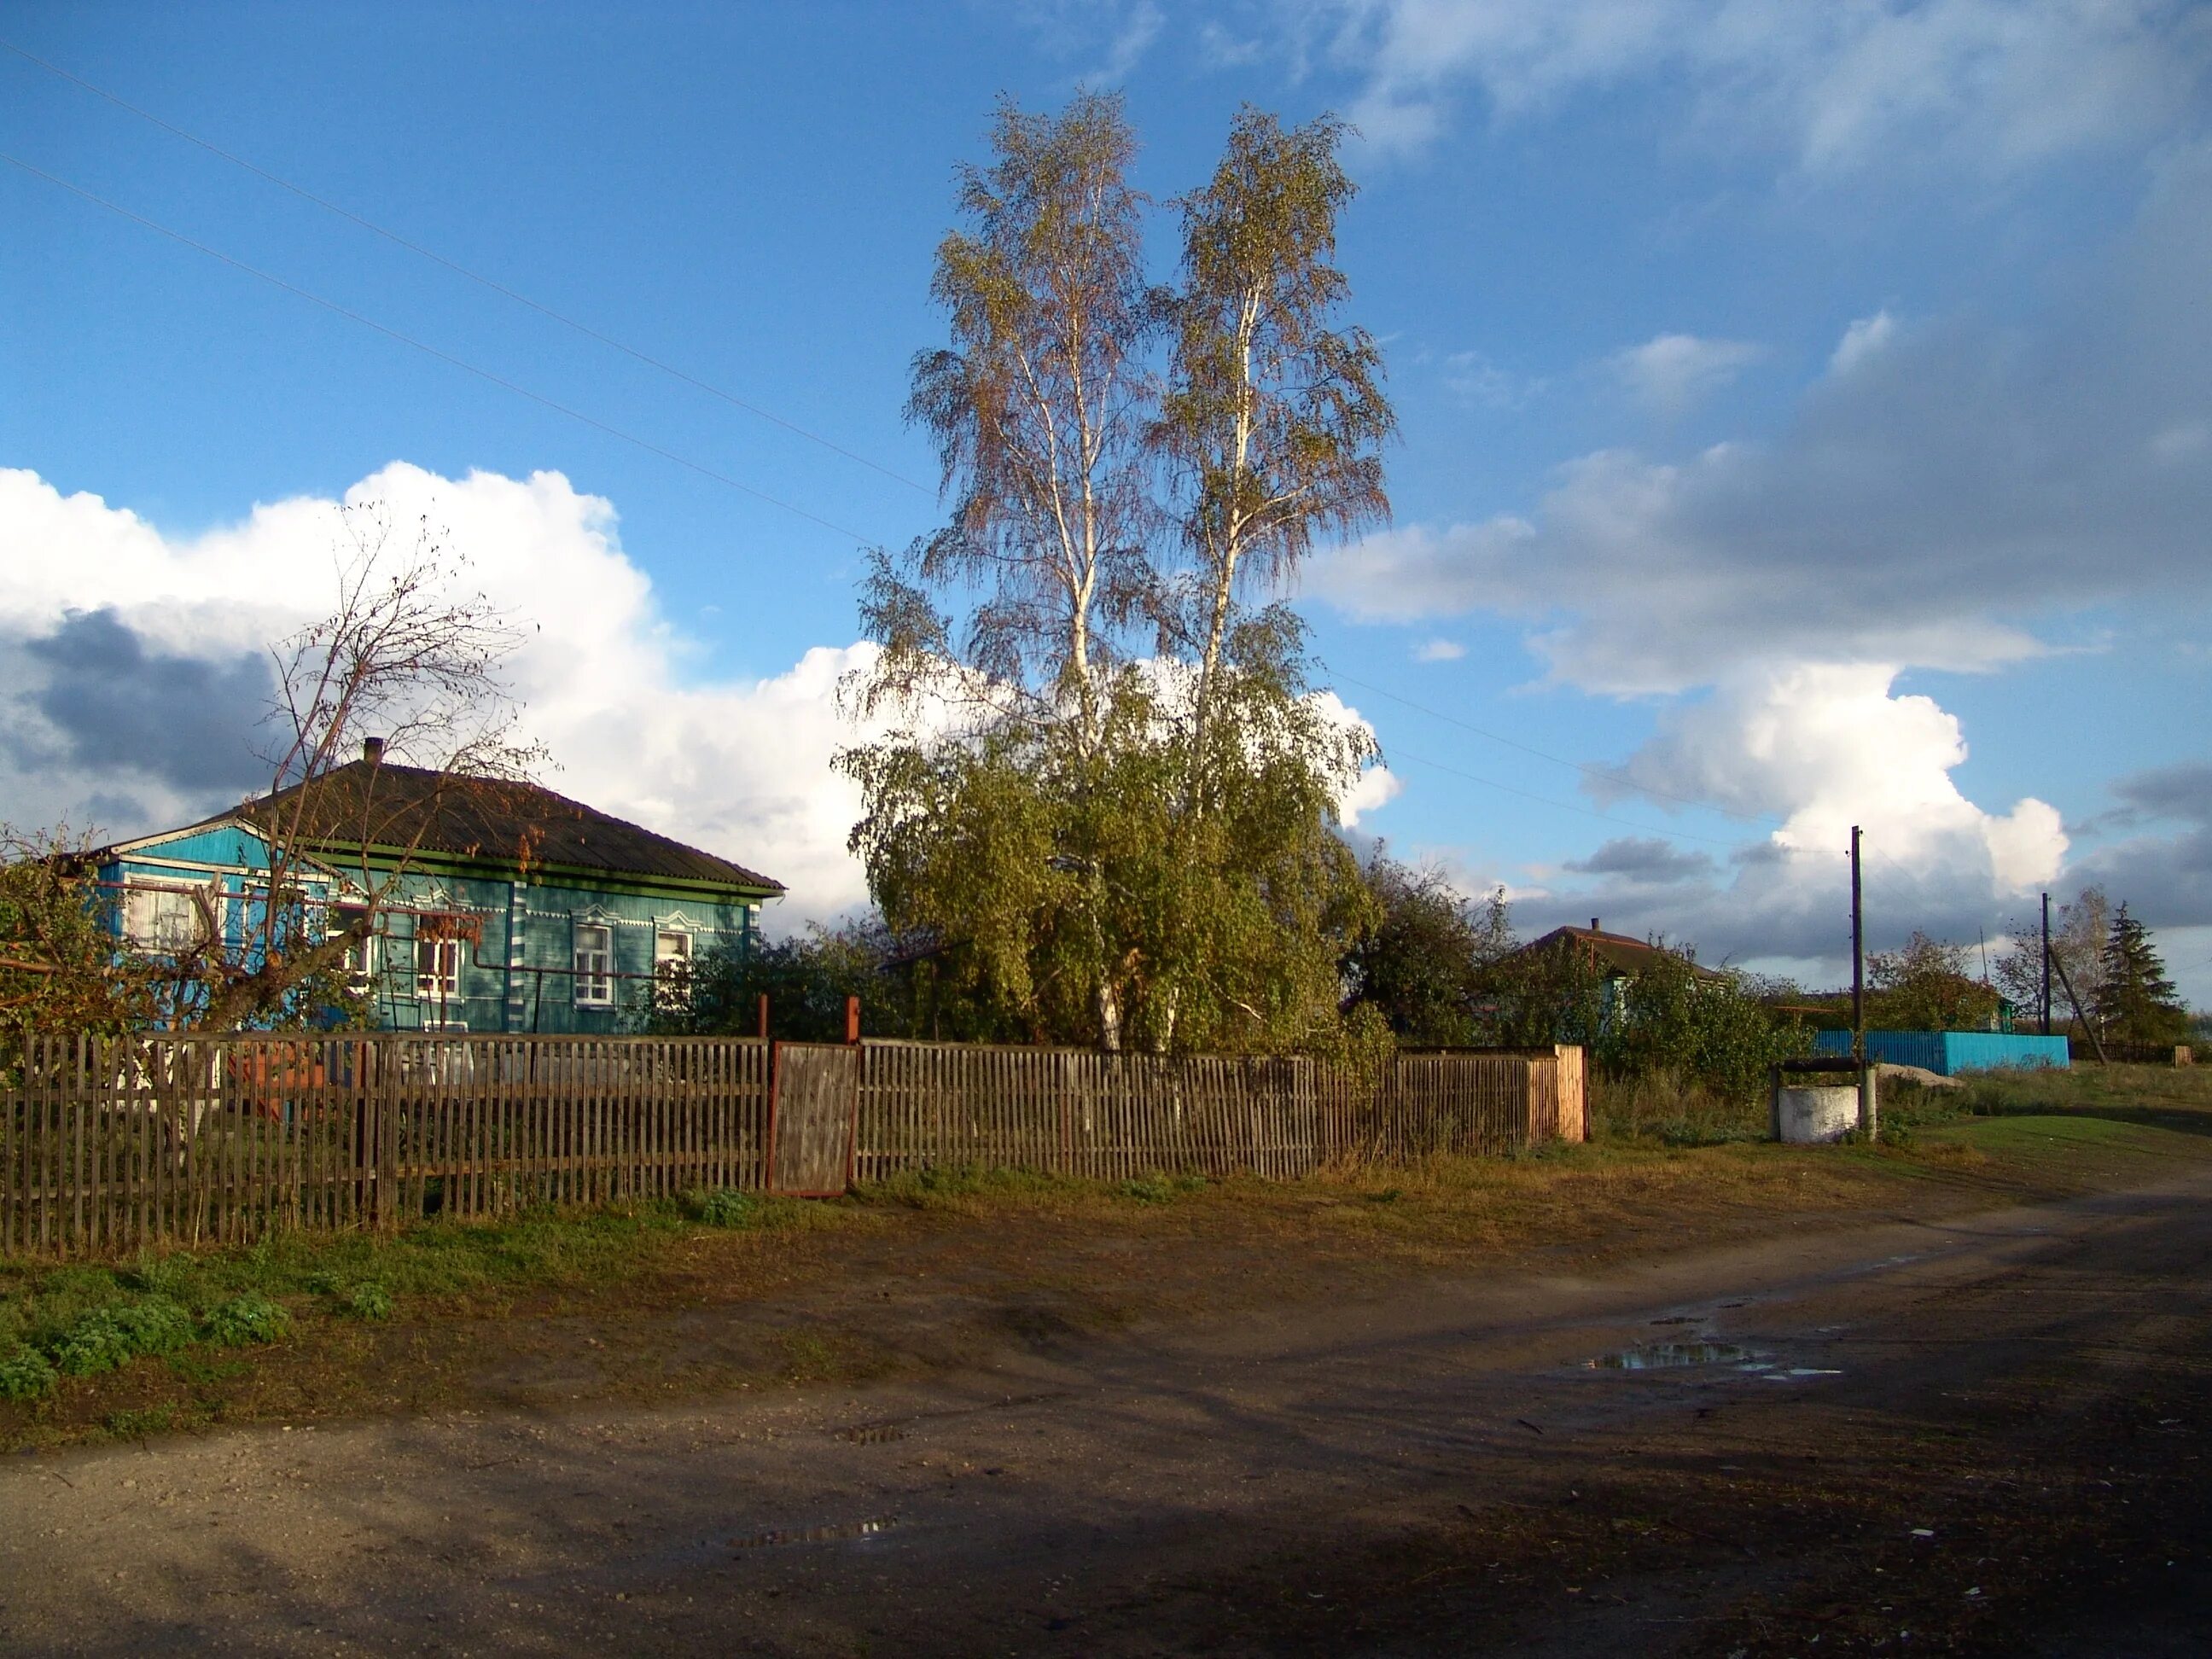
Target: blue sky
1779, 386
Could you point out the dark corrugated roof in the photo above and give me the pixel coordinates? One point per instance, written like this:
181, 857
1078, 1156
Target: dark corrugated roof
390, 805
1617, 951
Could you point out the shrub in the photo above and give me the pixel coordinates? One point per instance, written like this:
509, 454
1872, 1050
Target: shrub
24, 1373
137, 1423
1709, 1034
368, 1300
247, 1319
156, 1324
97, 1342
726, 1206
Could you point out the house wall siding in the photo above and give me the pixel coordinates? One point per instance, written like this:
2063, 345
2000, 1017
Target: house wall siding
517, 975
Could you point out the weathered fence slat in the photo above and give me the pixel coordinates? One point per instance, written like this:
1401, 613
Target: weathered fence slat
109, 1144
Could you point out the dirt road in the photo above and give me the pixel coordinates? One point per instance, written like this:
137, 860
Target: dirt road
1975, 1436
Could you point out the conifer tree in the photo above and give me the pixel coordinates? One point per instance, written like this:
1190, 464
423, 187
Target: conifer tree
2137, 1003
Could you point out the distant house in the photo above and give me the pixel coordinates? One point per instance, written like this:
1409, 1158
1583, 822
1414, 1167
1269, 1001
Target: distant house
515, 909
1614, 959
1611, 956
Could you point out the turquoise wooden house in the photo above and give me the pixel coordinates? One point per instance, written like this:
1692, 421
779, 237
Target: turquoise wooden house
502, 907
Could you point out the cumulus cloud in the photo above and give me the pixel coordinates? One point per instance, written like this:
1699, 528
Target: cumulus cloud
1990, 85
1837, 746
1926, 508
1642, 859
111, 620
1673, 372
1439, 651
105, 700
2168, 879
131, 675
1377, 786
1823, 747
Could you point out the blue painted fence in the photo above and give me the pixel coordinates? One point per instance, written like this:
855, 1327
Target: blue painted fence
1948, 1053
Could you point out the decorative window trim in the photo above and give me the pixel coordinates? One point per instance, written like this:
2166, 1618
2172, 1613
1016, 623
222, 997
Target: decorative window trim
442, 984
593, 962
149, 923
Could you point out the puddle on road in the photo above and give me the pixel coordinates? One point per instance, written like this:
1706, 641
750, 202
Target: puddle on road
1666, 1356
816, 1534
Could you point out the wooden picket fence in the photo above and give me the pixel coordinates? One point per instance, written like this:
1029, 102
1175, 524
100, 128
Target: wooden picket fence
111, 1146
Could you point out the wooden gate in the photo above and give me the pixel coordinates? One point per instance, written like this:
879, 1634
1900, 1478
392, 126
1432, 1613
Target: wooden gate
813, 1112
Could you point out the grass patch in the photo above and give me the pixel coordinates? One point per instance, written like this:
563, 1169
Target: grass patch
244, 1321
972, 1189
726, 1206
1159, 1188
137, 1423
62, 1327
1663, 1108
2172, 1096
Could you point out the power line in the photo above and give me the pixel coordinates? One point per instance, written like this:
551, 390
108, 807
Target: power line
428, 349
460, 270
1600, 772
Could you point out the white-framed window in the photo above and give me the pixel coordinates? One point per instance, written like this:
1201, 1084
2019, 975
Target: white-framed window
161, 917
360, 953
595, 964
437, 969
671, 965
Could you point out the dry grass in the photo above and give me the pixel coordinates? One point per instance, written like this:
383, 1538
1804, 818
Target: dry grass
1663, 1107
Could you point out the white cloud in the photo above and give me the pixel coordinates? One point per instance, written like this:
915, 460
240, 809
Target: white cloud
1832, 745
1861, 341
738, 766
1822, 747
1671, 373
1439, 651
1376, 786
1990, 85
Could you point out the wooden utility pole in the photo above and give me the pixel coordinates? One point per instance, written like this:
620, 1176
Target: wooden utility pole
2046, 965
2096, 1041
1858, 995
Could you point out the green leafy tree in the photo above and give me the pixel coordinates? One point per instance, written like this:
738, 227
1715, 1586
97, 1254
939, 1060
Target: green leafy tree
2136, 1001
1110, 844
59, 967
1713, 1031
807, 979
1421, 963
1926, 987
1533, 997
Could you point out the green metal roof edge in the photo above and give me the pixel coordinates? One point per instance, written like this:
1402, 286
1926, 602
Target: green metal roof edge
612, 881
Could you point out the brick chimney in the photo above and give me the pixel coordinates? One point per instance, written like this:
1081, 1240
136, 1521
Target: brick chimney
372, 750
1594, 928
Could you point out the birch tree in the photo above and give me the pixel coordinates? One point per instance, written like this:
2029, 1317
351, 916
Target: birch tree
1275, 419
1038, 410
1053, 651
